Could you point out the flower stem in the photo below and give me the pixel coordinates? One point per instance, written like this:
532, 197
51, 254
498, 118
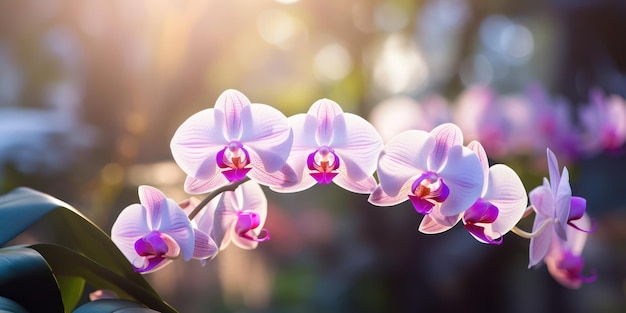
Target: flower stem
215, 193
534, 234
528, 210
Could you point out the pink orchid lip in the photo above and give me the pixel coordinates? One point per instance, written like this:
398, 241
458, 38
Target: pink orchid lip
573, 264
483, 212
231, 159
156, 247
246, 222
324, 161
427, 189
578, 207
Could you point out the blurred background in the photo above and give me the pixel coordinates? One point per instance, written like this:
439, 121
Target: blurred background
92, 91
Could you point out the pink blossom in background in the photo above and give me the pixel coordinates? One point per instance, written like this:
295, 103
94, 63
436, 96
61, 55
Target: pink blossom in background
333, 146
480, 116
564, 260
552, 124
240, 216
153, 233
397, 114
604, 122
441, 177
521, 119
233, 140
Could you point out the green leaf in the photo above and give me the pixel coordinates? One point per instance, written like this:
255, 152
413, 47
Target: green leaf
24, 208
112, 305
26, 279
66, 262
71, 290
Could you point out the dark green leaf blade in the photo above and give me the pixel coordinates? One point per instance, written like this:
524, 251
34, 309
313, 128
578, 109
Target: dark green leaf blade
24, 207
66, 262
26, 279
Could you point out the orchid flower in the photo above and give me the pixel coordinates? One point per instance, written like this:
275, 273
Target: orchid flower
240, 216
440, 176
564, 260
501, 204
604, 120
549, 123
233, 140
480, 115
333, 146
205, 247
554, 208
153, 233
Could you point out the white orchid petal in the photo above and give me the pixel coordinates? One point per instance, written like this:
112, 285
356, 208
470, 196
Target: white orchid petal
204, 218
540, 245
562, 204
284, 177
358, 144
446, 136
176, 224
380, 198
305, 182
482, 157
152, 199
253, 199
196, 186
232, 103
244, 243
197, 141
268, 133
542, 200
224, 219
553, 170
364, 186
403, 158
204, 246
304, 127
463, 175
505, 191
130, 225
575, 238
434, 223
325, 111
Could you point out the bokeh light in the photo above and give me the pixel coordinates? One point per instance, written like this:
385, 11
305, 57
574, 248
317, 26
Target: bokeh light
91, 93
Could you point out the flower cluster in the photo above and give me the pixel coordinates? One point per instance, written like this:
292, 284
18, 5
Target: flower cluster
515, 124
230, 150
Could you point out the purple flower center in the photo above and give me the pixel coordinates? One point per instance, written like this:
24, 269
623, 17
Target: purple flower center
322, 163
247, 221
155, 247
428, 189
233, 159
481, 212
573, 265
